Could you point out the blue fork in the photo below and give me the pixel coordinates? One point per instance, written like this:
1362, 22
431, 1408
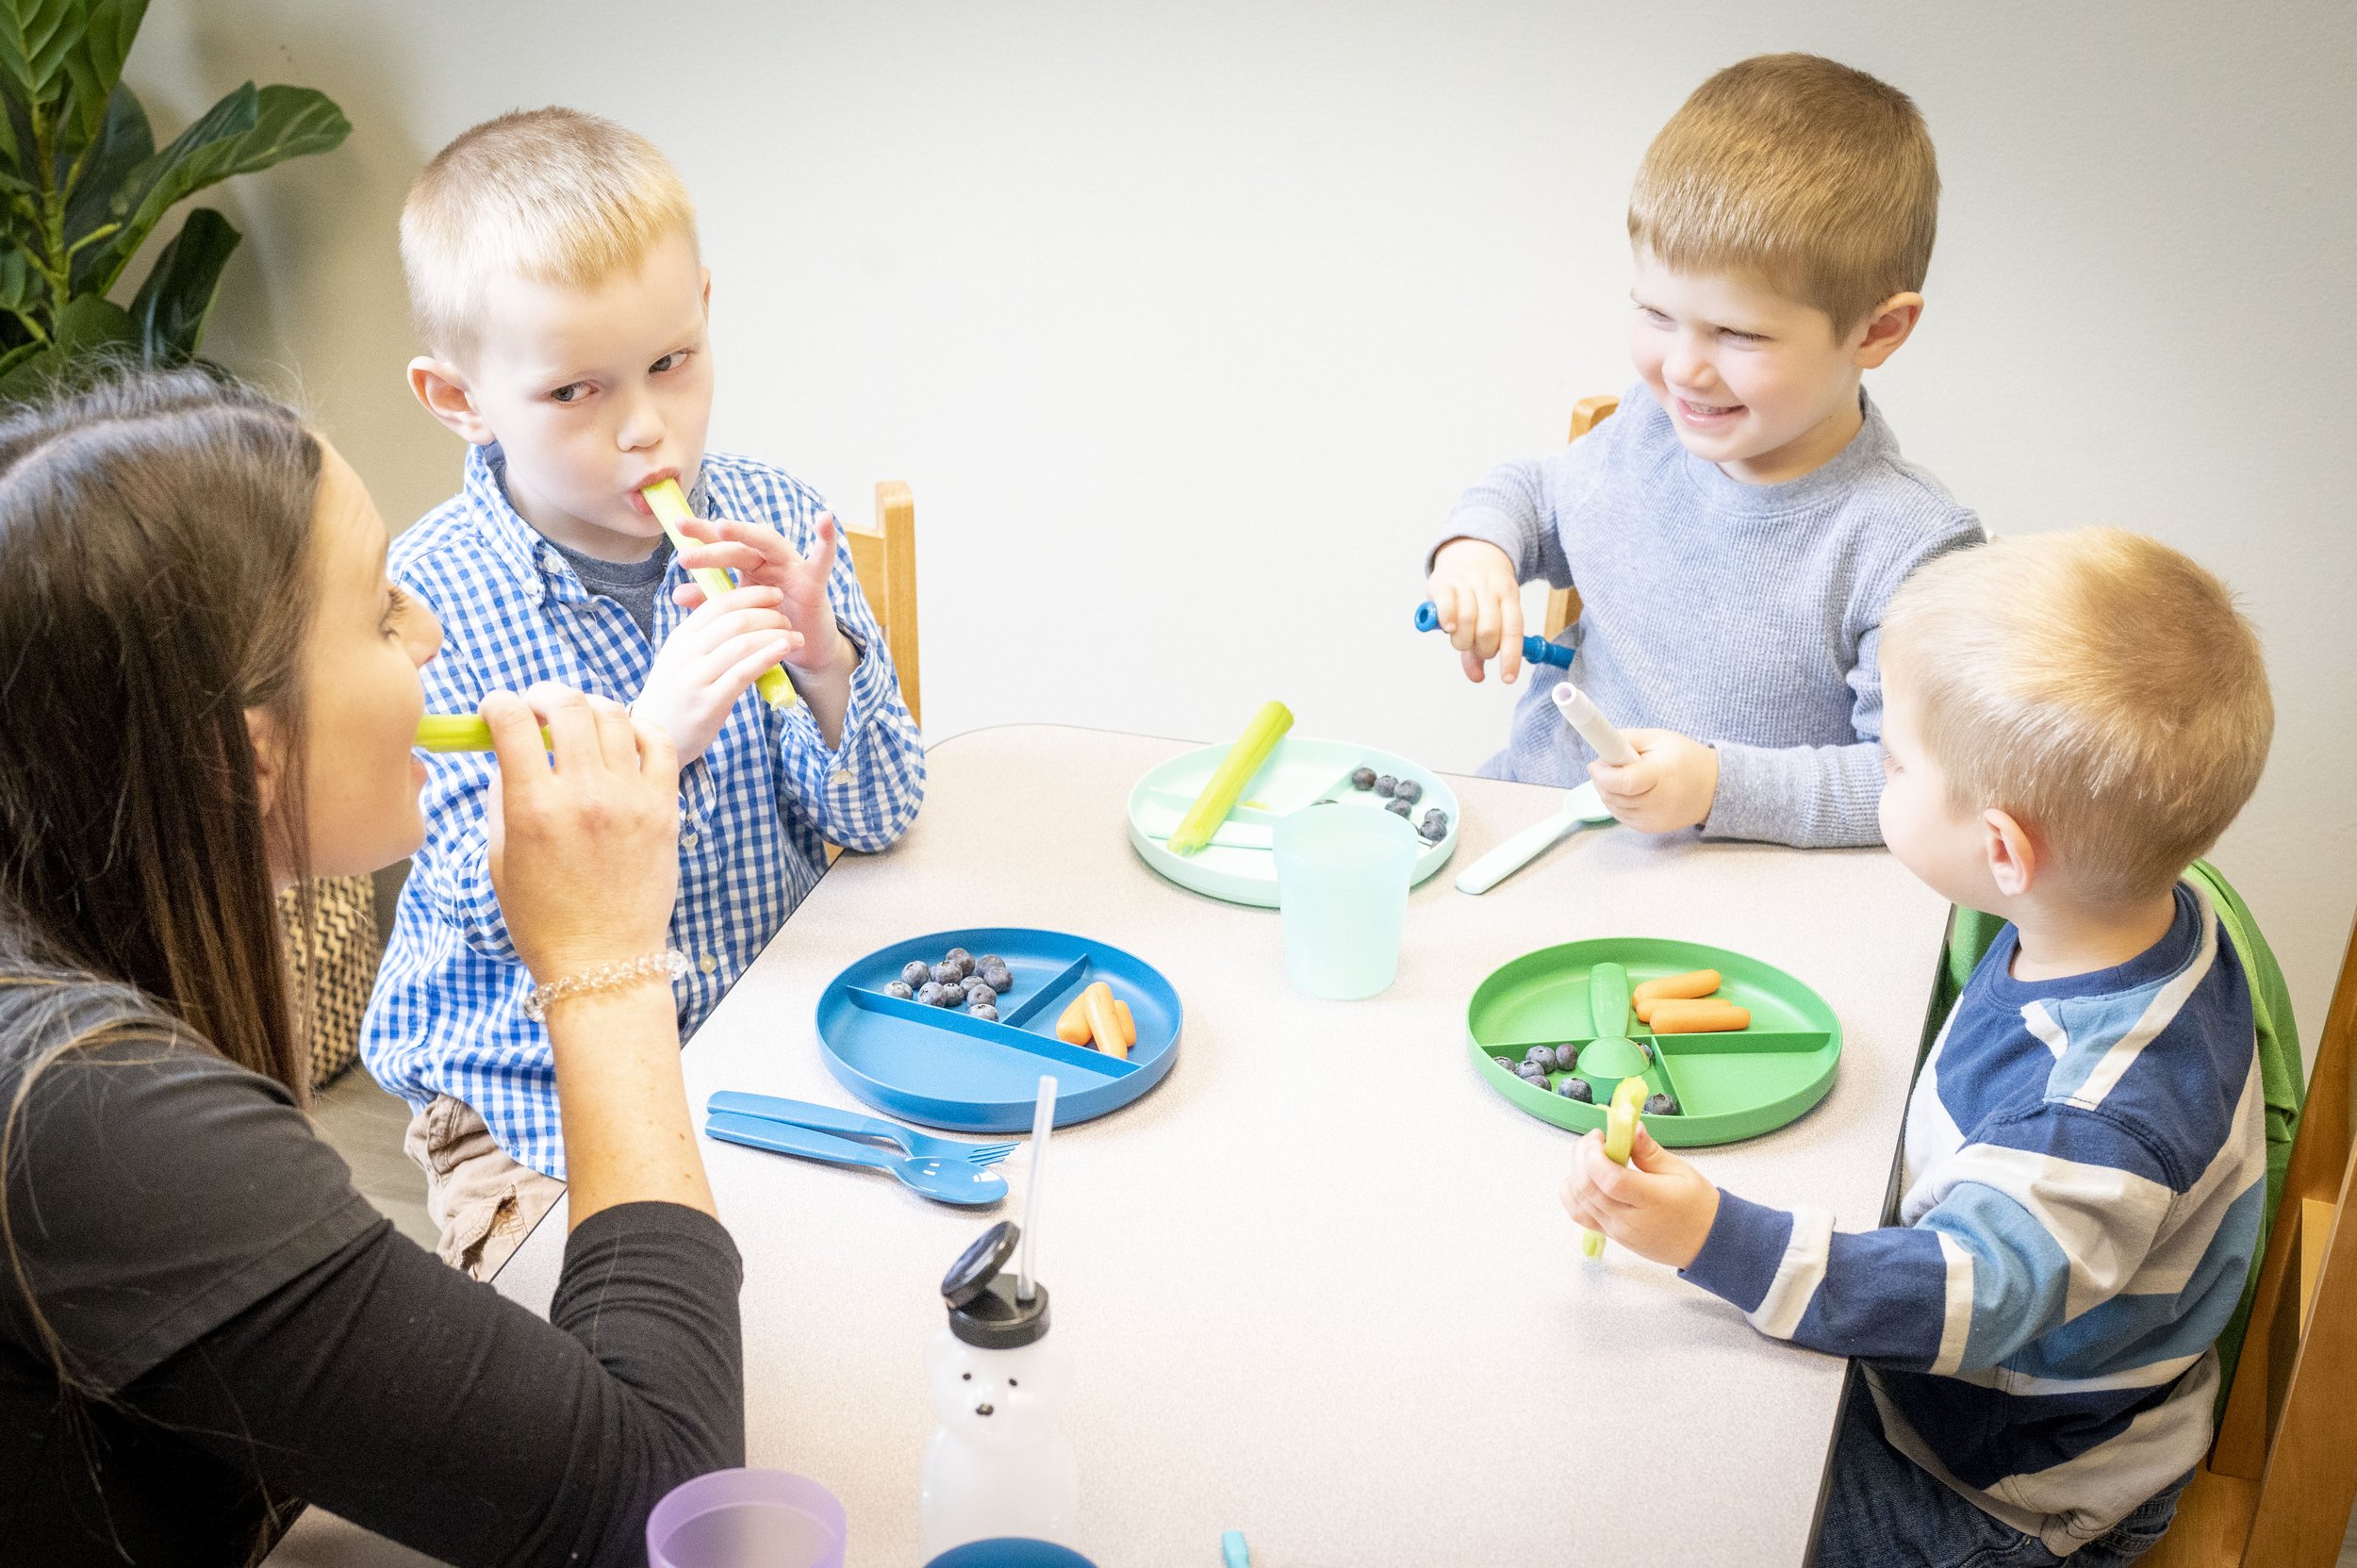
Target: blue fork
849, 1124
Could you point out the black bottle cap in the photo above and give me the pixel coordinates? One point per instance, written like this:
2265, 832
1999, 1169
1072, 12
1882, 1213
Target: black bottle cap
983, 1310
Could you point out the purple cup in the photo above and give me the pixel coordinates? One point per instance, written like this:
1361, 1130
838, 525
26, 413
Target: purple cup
747, 1519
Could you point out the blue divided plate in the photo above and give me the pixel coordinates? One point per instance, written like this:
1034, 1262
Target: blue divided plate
945, 1068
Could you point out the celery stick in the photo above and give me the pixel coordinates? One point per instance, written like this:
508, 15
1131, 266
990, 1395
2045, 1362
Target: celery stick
459, 732
670, 510
1235, 771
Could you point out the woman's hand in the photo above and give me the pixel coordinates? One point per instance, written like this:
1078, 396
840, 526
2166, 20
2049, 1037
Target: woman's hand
583, 842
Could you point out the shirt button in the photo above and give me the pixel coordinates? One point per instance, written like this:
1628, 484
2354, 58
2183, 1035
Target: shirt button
842, 775
687, 839
707, 963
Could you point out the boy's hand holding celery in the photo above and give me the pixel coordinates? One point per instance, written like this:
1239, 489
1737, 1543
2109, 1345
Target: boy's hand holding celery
1657, 1205
776, 615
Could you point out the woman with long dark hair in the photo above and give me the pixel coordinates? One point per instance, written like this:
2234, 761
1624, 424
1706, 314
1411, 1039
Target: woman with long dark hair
207, 691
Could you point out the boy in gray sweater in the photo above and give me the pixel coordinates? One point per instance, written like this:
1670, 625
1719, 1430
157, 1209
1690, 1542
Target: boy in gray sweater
1736, 530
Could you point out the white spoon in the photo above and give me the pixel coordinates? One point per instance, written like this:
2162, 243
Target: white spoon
1582, 807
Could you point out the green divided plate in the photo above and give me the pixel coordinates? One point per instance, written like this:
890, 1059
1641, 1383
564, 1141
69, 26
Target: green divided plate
1731, 1085
1238, 865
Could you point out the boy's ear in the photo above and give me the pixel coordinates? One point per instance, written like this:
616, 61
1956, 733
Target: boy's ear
2011, 854
1887, 325
441, 388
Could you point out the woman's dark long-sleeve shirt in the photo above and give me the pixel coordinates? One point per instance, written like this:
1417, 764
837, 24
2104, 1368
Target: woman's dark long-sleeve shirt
248, 1334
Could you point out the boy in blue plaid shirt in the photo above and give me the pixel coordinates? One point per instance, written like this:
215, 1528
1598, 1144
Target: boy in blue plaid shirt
553, 269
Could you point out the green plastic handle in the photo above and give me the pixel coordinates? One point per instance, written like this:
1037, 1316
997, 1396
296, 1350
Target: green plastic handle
1607, 1000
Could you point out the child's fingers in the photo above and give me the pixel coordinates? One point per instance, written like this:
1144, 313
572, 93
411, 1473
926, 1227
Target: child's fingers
1628, 781
1475, 667
1511, 637
742, 660
737, 611
825, 543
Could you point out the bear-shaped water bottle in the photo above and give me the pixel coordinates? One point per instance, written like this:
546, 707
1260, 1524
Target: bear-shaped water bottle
997, 1466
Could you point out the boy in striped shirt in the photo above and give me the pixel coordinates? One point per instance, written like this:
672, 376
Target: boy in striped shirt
2072, 718
554, 270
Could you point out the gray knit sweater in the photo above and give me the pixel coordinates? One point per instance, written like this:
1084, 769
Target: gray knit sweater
1746, 616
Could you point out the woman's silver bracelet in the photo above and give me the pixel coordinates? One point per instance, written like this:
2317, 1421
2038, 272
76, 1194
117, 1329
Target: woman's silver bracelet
669, 965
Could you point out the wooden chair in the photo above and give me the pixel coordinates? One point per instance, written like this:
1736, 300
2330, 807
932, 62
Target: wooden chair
2279, 1482
884, 558
1563, 603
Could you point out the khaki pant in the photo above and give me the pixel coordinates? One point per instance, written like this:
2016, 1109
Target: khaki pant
485, 1202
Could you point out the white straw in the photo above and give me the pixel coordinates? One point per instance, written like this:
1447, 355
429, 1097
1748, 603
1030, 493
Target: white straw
1042, 1123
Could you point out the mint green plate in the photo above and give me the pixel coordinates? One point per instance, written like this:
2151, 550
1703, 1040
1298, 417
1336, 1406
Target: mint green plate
1728, 1086
1239, 865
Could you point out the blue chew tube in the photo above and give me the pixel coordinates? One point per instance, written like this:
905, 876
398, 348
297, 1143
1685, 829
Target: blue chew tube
1535, 650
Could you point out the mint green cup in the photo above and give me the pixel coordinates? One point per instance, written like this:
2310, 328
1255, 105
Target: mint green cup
1341, 891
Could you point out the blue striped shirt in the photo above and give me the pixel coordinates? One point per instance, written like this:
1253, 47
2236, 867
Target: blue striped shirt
2086, 1164
756, 811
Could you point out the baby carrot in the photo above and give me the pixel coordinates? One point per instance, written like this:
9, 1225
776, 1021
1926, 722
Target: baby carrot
1695, 982
1072, 1026
1104, 1023
1672, 1016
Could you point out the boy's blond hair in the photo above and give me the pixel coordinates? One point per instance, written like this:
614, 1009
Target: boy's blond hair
550, 194
2098, 685
1816, 178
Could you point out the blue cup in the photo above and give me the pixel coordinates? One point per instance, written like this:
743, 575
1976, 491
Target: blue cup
1341, 892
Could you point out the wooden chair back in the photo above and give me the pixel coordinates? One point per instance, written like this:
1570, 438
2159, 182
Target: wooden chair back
1563, 603
2279, 1484
884, 558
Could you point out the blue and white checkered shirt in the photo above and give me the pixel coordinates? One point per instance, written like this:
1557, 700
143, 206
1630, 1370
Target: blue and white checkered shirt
756, 810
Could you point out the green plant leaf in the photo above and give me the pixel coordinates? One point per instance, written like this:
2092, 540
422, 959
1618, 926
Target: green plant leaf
246, 131
171, 307
20, 285
88, 330
93, 63
17, 355
122, 143
35, 38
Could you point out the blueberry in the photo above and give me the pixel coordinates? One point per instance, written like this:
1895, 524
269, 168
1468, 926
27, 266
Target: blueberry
1385, 784
1362, 778
1408, 790
979, 994
901, 989
1567, 1056
930, 993
1543, 1055
1576, 1088
1533, 1071
1662, 1105
1506, 1062
994, 973
1396, 805
947, 974
913, 975
1431, 831
958, 955
984, 1011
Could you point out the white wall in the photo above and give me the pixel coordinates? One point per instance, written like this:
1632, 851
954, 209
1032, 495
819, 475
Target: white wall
1187, 321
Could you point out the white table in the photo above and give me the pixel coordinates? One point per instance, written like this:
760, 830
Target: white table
1317, 1284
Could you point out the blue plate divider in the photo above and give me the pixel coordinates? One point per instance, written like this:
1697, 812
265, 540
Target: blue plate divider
947, 1068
